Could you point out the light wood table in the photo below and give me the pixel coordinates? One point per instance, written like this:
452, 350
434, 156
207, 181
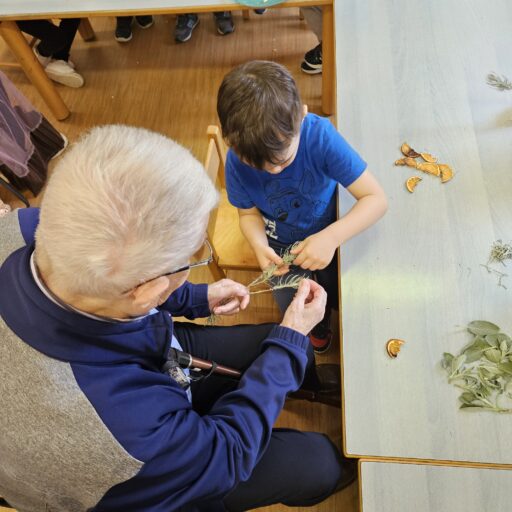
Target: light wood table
395, 487
36, 9
415, 71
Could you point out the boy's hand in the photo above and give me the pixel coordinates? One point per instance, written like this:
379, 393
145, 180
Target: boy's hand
227, 297
315, 252
266, 256
307, 308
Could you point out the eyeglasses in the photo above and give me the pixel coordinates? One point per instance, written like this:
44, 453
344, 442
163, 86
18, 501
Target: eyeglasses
201, 263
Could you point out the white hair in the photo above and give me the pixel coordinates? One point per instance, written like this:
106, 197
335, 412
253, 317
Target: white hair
123, 206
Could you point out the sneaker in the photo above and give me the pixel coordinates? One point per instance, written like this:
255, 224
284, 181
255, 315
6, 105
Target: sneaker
224, 22
60, 71
43, 60
312, 63
144, 21
123, 32
185, 25
321, 338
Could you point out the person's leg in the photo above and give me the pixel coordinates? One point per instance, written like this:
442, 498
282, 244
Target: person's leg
224, 22
68, 29
298, 469
234, 346
52, 39
312, 63
313, 17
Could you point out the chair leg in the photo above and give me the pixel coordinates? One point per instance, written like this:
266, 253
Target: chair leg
216, 272
86, 30
245, 14
33, 69
301, 15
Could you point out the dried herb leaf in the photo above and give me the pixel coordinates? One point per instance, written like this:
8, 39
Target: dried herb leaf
446, 362
483, 369
481, 327
505, 367
493, 355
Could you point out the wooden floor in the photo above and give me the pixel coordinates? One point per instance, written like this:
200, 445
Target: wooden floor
157, 84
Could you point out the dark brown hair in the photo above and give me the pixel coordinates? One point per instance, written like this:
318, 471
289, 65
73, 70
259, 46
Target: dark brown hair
260, 111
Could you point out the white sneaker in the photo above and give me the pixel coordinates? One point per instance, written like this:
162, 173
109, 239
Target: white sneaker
43, 60
60, 71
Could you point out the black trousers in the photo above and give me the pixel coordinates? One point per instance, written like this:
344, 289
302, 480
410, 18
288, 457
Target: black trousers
298, 468
56, 40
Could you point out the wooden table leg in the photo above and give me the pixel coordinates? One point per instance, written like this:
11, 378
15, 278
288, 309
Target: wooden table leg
86, 30
328, 67
33, 69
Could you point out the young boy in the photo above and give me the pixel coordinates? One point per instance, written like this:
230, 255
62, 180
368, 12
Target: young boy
282, 172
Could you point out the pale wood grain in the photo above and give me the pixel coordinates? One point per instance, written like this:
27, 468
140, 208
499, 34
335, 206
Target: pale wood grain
415, 71
388, 487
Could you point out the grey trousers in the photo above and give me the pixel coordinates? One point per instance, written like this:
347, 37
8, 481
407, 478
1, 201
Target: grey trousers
313, 16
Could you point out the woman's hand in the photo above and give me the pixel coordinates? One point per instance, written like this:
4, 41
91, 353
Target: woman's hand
227, 297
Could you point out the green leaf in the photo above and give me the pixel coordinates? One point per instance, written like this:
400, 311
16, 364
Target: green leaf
493, 355
473, 355
457, 362
467, 397
496, 339
481, 327
446, 362
505, 367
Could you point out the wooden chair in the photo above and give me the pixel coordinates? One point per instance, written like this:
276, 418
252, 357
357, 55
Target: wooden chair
231, 251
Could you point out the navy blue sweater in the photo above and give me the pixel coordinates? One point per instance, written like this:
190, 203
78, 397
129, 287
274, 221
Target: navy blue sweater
188, 461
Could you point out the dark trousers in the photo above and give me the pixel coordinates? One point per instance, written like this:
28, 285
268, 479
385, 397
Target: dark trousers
298, 468
56, 40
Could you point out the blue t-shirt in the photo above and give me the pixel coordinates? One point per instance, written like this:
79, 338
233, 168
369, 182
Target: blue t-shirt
300, 201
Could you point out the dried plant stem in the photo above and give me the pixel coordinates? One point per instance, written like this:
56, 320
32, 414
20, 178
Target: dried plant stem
268, 290
499, 274
502, 83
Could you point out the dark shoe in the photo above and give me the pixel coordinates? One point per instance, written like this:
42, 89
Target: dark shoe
224, 22
185, 25
144, 21
312, 63
321, 338
123, 32
349, 473
259, 11
327, 389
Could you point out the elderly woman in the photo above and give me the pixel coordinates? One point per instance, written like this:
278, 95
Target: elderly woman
89, 290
